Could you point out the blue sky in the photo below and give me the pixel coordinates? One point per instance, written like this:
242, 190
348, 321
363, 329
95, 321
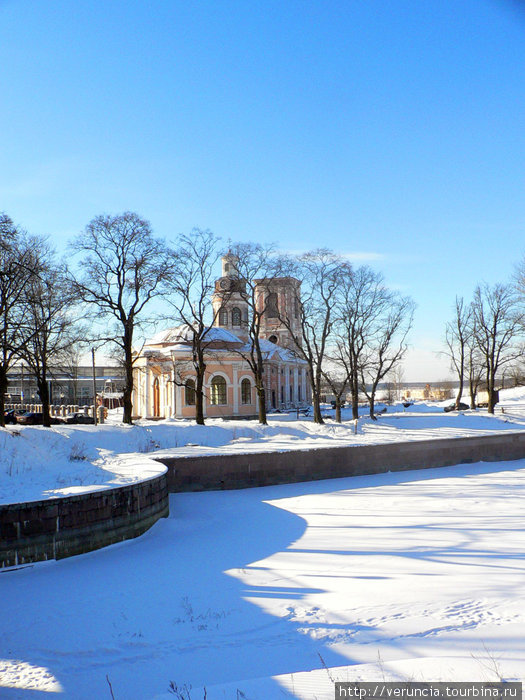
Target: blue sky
391, 130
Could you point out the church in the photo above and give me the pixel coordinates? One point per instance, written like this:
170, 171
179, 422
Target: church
164, 378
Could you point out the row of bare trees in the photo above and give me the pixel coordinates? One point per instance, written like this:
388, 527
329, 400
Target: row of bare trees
44, 307
344, 323
485, 338
36, 325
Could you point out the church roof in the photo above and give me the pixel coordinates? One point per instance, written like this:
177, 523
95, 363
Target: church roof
182, 335
180, 338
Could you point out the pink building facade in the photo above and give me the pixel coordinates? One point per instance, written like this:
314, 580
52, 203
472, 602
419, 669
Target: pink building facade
165, 377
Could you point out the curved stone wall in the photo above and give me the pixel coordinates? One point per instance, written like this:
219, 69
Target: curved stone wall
62, 527
236, 471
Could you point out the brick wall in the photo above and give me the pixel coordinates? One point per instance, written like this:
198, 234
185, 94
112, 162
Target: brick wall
263, 469
62, 527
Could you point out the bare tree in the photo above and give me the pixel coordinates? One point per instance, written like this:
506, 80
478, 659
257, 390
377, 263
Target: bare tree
364, 306
457, 336
498, 323
387, 344
123, 269
336, 376
191, 284
49, 304
256, 273
16, 271
474, 365
320, 273
520, 279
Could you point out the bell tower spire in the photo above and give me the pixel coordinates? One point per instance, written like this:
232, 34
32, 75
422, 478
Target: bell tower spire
229, 305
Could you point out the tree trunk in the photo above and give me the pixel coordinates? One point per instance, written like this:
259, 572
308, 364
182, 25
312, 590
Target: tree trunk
127, 398
460, 391
372, 402
43, 392
490, 389
199, 395
354, 392
472, 392
338, 409
3, 391
318, 418
315, 381
261, 395
472, 383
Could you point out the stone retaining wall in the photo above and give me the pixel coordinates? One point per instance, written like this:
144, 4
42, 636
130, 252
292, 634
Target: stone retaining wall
266, 468
62, 527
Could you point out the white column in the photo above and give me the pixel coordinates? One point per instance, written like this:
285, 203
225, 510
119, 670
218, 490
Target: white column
166, 395
162, 396
173, 411
303, 382
295, 384
235, 389
178, 400
147, 392
287, 383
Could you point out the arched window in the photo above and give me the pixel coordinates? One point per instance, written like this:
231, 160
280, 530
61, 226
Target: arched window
223, 317
271, 305
189, 392
296, 307
236, 316
246, 391
218, 391
245, 316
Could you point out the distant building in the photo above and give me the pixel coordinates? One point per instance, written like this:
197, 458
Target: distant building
71, 386
164, 374
428, 392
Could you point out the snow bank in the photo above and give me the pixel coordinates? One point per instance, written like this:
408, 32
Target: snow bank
37, 462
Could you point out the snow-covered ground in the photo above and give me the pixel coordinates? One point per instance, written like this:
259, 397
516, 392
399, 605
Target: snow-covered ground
37, 462
278, 591
274, 591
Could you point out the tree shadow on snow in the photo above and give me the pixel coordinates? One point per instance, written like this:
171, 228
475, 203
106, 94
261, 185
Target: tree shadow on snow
177, 605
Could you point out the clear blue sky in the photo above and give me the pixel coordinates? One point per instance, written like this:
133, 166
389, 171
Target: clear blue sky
393, 130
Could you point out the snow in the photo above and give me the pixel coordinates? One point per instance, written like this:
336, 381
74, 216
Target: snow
268, 349
183, 335
272, 592
38, 463
409, 575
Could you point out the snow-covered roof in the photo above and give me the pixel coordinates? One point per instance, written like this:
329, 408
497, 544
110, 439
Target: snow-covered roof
269, 350
182, 335
180, 338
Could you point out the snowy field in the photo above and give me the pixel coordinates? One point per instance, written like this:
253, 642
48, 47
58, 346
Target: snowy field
270, 593
274, 592
37, 462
